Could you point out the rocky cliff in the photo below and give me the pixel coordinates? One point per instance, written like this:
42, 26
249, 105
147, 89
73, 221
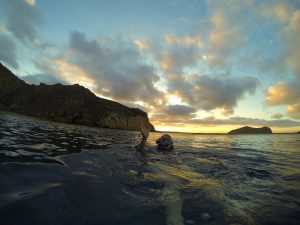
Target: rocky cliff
251, 130
65, 103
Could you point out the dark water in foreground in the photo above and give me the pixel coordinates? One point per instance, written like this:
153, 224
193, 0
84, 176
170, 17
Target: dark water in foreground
63, 174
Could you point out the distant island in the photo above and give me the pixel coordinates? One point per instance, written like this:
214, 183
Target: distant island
251, 130
66, 103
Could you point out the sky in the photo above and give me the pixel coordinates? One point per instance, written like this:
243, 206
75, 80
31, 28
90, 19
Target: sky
192, 65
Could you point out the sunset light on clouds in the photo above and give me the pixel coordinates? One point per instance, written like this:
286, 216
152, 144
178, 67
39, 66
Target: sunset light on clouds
193, 65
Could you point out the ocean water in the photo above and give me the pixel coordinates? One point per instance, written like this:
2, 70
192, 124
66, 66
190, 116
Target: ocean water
53, 173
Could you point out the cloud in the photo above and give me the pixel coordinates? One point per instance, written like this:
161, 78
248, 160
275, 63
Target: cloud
118, 68
294, 111
246, 121
205, 92
178, 57
23, 20
225, 39
286, 16
191, 41
49, 73
141, 44
8, 51
266, 65
277, 116
223, 93
292, 52
173, 114
212, 121
43, 78
72, 73
30, 2
179, 110
279, 10
209, 92
226, 35
285, 93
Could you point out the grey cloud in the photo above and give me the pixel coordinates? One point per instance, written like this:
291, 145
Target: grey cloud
117, 67
277, 116
79, 43
22, 20
225, 92
180, 56
122, 73
239, 121
246, 121
262, 122
48, 75
8, 51
135, 105
265, 65
179, 110
211, 92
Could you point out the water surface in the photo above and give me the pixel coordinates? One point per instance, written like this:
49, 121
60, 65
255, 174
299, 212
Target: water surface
55, 173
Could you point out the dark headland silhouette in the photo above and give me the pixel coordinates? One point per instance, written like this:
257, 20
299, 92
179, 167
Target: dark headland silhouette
251, 130
66, 103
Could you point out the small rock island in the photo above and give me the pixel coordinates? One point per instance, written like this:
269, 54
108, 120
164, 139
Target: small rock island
66, 103
251, 130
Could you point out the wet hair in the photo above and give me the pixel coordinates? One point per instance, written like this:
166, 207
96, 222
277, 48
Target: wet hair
166, 136
165, 142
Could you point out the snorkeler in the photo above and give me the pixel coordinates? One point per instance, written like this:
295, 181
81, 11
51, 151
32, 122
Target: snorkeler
170, 195
165, 142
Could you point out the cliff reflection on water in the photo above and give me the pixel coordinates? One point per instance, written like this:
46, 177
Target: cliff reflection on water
63, 174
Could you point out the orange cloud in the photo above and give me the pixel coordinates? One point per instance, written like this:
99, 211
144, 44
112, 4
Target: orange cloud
285, 94
294, 111
223, 38
280, 10
218, 18
141, 44
191, 41
166, 61
277, 94
74, 74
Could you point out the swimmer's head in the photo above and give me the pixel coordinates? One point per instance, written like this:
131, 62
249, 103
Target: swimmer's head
165, 142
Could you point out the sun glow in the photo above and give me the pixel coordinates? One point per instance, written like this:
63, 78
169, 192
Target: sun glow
194, 128
174, 100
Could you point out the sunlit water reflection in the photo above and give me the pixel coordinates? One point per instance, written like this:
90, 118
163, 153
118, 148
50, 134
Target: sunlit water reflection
64, 174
